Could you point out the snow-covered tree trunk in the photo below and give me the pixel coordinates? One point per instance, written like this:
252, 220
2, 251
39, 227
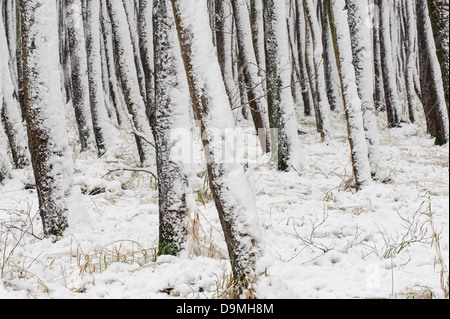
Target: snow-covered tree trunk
387, 65
379, 84
171, 113
232, 195
352, 102
10, 108
323, 106
99, 113
310, 71
331, 72
5, 164
439, 15
114, 88
134, 36
224, 38
256, 96
411, 58
145, 26
130, 81
47, 137
358, 16
301, 40
257, 21
433, 95
286, 148
79, 73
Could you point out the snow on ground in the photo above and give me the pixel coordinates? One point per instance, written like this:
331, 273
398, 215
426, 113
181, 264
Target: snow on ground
325, 240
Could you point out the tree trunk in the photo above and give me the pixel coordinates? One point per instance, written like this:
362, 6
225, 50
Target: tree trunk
171, 113
10, 108
286, 148
234, 201
387, 66
433, 95
352, 102
331, 72
130, 81
439, 15
224, 37
79, 72
146, 49
5, 164
323, 106
358, 15
301, 40
97, 98
256, 96
114, 88
47, 137
411, 57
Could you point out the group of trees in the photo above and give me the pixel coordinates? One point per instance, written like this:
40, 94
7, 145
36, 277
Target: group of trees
144, 63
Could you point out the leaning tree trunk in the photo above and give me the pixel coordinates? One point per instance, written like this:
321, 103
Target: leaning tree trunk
171, 113
352, 102
256, 96
229, 186
130, 81
47, 137
433, 95
280, 103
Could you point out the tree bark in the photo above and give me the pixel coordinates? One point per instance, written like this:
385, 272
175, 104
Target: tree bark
433, 95
130, 81
79, 73
256, 96
234, 202
171, 113
47, 137
352, 102
286, 148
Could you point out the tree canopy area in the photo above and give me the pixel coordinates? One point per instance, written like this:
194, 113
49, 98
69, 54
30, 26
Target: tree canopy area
224, 148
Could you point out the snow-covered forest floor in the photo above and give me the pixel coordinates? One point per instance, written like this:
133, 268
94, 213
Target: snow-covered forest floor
324, 239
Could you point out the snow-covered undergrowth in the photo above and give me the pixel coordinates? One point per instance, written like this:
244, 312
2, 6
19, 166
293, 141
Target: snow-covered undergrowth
324, 239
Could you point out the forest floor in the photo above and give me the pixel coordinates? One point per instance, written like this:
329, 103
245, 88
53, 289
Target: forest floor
325, 239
